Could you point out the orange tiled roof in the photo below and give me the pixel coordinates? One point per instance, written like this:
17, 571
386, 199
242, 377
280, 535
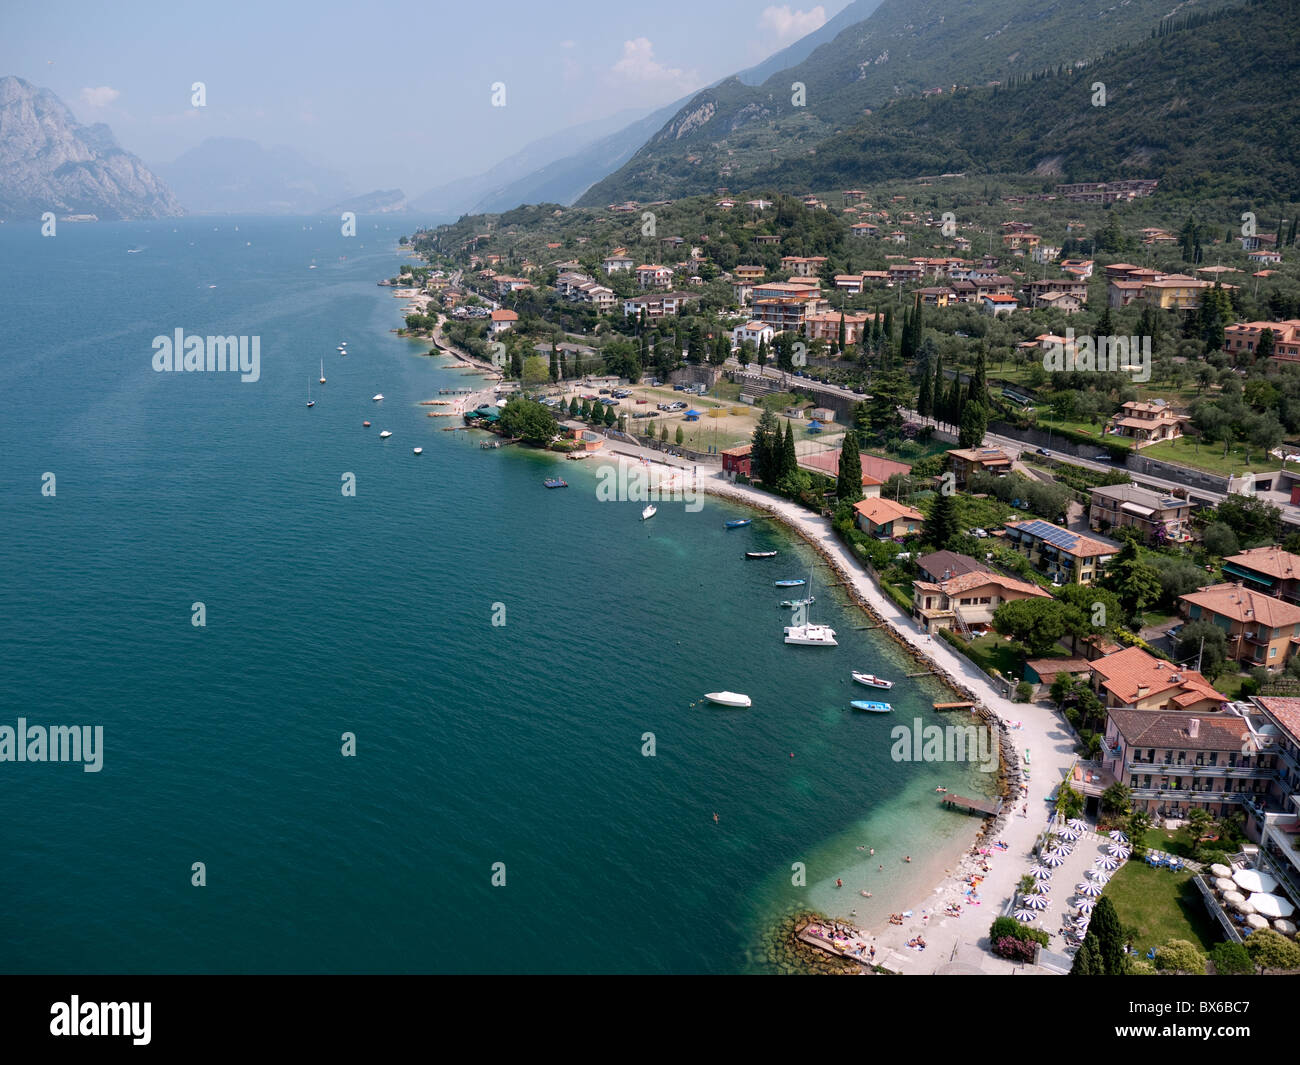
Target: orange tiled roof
1126, 671
1271, 561
884, 511
1244, 605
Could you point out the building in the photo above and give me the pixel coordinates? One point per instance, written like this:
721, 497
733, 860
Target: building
748, 274
653, 276
754, 332
1279, 831
937, 296
1058, 301
1267, 569
659, 305
1177, 292
864, 229
502, 320
826, 326
786, 305
939, 566
968, 600
1174, 761
1147, 423
996, 305
1133, 679
887, 519
1261, 630
1107, 192
1069, 286
803, 266
1243, 338
736, 460
1080, 268
1160, 518
1121, 292
964, 462
875, 471
1061, 556
1264, 257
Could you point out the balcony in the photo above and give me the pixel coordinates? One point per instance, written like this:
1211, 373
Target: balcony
1253, 772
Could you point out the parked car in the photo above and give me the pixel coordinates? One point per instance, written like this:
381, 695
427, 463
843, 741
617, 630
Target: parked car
642, 401
679, 388
1044, 451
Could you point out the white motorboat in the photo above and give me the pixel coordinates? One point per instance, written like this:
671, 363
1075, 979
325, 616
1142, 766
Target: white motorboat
417, 451
811, 635
872, 681
728, 698
322, 371
385, 435
649, 512
377, 396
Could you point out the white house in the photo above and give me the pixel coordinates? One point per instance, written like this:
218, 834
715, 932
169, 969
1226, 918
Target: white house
754, 332
617, 261
502, 320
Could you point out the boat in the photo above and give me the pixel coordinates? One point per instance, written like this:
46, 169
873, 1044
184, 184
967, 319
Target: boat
417, 451
377, 396
488, 445
871, 708
739, 523
322, 371
310, 402
811, 635
871, 680
385, 435
366, 425
728, 698
649, 512
792, 582
555, 482
760, 554
799, 602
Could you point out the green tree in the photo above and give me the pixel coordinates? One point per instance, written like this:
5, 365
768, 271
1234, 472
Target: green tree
942, 527
1117, 800
1037, 624
610, 417
1110, 937
575, 409
1087, 960
1272, 950
848, 485
535, 371
789, 457
681, 436
974, 424
1219, 540
1231, 959
1135, 582
663, 433
1200, 823
1180, 956
1189, 646
763, 452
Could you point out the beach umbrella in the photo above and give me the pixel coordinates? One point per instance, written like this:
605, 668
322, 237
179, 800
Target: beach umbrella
1071, 834
1099, 876
1092, 890
1078, 824
1036, 902
1230, 897
1042, 888
1253, 880
1223, 884
1110, 864
1287, 928
1254, 920
1220, 870
1041, 872
1118, 850
1242, 906
1054, 859
1118, 836
1272, 905
1026, 915
1086, 905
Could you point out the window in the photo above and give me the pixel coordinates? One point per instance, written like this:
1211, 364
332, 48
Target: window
1272, 652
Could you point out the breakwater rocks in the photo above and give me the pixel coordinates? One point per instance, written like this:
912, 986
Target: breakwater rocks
782, 952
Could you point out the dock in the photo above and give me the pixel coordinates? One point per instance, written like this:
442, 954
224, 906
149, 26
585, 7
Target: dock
987, 807
952, 706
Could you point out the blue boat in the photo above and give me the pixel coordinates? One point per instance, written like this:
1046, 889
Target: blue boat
738, 523
871, 708
555, 482
792, 583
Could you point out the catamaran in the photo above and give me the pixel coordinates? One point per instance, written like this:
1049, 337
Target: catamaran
728, 698
871, 680
871, 708
811, 635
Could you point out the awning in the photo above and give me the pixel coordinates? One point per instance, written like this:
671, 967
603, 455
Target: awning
1133, 508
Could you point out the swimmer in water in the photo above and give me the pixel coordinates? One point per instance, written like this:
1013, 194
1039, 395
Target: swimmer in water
715, 819
839, 883
908, 858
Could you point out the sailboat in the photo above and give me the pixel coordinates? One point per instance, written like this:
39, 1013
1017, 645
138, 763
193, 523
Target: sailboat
808, 634
322, 371
310, 402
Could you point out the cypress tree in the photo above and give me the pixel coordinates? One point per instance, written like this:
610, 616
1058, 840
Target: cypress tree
1110, 938
789, 459
978, 383
938, 407
842, 333
942, 526
848, 485
1086, 960
761, 357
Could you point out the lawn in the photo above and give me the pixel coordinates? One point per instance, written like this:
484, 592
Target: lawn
993, 652
1209, 457
1161, 905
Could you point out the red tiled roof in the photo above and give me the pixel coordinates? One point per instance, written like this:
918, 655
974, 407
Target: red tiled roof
1126, 671
1244, 605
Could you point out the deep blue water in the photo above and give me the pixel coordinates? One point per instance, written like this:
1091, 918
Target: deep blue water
476, 743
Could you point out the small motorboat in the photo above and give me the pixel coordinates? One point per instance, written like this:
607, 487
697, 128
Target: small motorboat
739, 523
870, 707
365, 425
322, 371
728, 698
942, 791
872, 681
417, 451
792, 582
760, 554
649, 512
555, 482
799, 602
385, 435
377, 396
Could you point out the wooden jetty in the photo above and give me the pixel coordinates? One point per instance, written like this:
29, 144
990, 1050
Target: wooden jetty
951, 706
986, 807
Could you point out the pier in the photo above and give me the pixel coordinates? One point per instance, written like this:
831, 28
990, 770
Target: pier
949, 706
986, 807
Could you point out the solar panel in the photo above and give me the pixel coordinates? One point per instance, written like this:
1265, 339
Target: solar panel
1049, 533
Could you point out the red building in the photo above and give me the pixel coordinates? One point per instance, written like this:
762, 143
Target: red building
736, 460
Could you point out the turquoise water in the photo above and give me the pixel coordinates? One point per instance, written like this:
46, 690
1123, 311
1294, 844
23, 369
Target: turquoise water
476, 744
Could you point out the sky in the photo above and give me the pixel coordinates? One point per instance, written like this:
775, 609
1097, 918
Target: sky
390, 97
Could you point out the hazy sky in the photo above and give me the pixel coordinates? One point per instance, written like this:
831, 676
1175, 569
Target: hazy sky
393, 95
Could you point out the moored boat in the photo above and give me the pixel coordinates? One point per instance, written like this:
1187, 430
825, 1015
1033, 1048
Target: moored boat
811, 635
555, 482
760, 554
728, 698
649, 512
739, 523
417, 451
792, 582
871, 680
799, 602
385, 435
870, 707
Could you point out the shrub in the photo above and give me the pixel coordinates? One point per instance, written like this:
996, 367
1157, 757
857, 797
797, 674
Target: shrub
1024, 691
1013, 949
1231, 959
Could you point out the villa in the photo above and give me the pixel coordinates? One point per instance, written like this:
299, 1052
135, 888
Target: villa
1132, 679
1261, 630
967, 600
964, 462
1147, 423
887, 519
1062, 556
1160, 518
1275, 572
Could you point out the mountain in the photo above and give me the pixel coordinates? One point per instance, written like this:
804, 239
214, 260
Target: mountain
730, 132
796, 53
226, 175
381, 201
50, 162
1196, 106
